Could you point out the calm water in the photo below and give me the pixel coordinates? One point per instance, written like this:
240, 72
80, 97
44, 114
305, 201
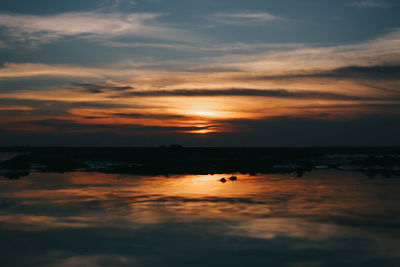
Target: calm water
326, 218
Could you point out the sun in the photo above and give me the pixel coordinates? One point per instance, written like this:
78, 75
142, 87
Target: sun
201, 131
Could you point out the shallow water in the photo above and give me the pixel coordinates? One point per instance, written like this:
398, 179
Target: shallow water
326, 218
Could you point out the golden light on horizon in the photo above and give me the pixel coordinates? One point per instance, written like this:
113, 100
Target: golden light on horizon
201, 108
201, 131
204, 113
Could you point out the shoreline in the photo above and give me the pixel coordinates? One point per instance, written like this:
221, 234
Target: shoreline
190, 160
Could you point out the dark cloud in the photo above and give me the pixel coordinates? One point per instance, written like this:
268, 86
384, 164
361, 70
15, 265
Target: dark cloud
54, 103
173, 129
383, 107
380, 86
371, 72
376, 73
369, 130
98, 88
278, 93
150, 116
94, 117
63, 125
54, 108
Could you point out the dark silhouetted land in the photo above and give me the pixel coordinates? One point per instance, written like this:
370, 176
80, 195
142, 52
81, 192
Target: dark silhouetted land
200, 160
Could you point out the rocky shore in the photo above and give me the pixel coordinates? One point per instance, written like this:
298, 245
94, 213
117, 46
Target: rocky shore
189, 160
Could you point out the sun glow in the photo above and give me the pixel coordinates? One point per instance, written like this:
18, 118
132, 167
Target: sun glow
201, 131
204, 113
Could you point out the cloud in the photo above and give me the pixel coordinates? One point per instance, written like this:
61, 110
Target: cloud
63, 125
12, 108
35, 29
117, 4
31, 70
389, 72
384, 50
93, 260
364, 73
278, 59
15, 108
97, 89
360, 72
198, 48
209, 48
243, 18
279, 93
370, 130
150, 116
24, 70
369, 4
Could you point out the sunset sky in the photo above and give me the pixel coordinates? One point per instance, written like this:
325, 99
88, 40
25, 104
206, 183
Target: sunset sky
200, 73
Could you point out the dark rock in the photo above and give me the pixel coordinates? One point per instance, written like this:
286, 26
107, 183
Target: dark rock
64, 164
15, 175
222, 180
233, 178
18, 163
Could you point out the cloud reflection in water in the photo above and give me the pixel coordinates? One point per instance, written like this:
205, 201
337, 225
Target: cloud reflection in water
326, 218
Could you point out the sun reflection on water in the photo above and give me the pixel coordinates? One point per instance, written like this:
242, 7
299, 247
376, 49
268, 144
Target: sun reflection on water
320, 207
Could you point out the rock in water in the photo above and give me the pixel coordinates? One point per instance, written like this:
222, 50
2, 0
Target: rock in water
17, 163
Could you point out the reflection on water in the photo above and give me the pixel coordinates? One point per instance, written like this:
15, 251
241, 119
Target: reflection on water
326, 218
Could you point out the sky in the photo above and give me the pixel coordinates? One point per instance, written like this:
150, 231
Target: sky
200, 73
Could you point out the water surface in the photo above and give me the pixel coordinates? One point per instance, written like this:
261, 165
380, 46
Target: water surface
326, 218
